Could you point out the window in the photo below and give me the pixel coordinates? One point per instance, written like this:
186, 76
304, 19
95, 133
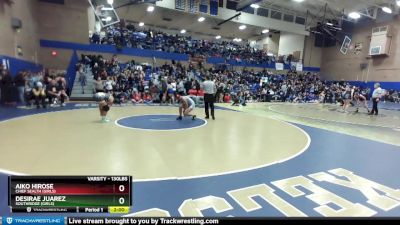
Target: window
248, 10
288, 18
300, 20
231, 4
262, 12
276, 15
375, 50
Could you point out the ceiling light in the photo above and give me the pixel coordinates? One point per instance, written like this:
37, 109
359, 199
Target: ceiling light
237, 39
354, 15
110, 2
298, 0
150, 8
107, 9
141, 24
201, 19
329, 24
218, 37
108, 18
183, 31
398, 2
254, 6
387, 10
242, 27
265, 31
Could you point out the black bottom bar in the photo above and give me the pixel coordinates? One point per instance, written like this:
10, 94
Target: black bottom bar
221, 221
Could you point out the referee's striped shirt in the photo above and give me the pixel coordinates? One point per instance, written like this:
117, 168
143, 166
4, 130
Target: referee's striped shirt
209, 87
378, 92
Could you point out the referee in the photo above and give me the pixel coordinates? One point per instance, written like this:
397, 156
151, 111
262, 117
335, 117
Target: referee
209, 96
376, 96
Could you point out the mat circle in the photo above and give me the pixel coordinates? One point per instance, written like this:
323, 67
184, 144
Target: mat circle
159, 122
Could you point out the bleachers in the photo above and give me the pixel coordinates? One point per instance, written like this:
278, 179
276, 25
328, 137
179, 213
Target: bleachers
77, 94
160, 42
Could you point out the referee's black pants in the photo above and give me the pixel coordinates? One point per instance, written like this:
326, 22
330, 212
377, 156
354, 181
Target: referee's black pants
209, 103
374, 106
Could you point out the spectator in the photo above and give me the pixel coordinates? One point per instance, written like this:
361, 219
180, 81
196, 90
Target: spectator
227, 98
20, 83
136, 98
82, 77
98, 85
62, 90
180, 87
163, 91
188, 85
6, 86
147, 98
51, 92
109, 85
39, 95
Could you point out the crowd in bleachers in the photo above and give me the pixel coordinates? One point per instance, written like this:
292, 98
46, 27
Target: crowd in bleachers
33, 89
141, 83
237, 86
130, 36
131, 82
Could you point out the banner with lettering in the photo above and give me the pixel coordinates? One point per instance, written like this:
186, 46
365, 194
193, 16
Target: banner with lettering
193, 6
204, 6
214, 7
299, 67
180, 5
279, 66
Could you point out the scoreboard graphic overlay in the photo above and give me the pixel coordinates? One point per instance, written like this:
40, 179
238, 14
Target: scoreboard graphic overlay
86, 194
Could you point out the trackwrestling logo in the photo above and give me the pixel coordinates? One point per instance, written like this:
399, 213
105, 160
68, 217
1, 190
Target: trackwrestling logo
33, 220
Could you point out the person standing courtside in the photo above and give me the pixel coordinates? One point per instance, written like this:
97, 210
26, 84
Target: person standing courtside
209, 96
376, 96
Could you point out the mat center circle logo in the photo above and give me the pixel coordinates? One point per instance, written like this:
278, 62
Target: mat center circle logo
159, 122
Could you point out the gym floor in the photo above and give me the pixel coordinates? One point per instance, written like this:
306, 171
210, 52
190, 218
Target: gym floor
258, 160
